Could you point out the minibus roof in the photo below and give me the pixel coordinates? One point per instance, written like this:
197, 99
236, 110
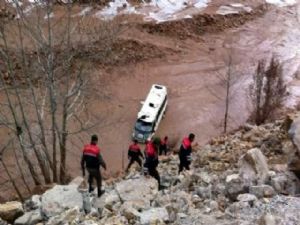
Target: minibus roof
153, 103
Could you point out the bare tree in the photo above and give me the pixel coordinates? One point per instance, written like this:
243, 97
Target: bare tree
2, 151
225, 89
44, 89
267, 91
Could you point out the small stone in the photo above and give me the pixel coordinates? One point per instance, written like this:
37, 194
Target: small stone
262, 191
232, 177
246, 198
213, 205
205, 192
181, 215
11, 210
267, 219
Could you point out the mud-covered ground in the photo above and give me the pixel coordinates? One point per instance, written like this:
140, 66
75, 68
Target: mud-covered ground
189, 56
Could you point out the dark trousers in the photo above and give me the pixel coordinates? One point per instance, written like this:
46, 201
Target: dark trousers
150, 166
95, 174
184, 163
132, 160
154, 173
163, 149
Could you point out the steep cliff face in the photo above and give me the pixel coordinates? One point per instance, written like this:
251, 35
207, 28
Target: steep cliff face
242, 178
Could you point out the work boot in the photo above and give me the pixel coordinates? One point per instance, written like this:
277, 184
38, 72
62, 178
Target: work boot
91, 189
100, 193
161, 187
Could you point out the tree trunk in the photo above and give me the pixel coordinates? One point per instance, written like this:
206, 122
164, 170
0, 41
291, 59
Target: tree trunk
21, 172
12, 181
63, 143
228, 85
54, 150
34, 175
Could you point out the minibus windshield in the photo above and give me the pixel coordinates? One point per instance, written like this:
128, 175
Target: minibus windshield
143, 126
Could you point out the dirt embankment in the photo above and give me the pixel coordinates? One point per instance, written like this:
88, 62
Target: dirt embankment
121, 53
203, 23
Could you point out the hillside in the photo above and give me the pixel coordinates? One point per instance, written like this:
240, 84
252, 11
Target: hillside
122, 48
242, 178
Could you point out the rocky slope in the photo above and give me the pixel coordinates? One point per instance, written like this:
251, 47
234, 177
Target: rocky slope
243, 178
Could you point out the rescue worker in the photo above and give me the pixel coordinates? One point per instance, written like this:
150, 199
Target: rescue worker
92, 160
185, 152
151, 162
134, 155
163, 148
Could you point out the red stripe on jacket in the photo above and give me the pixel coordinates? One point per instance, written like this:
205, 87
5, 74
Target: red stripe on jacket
150, 150
134, 148
186, 143
91, 150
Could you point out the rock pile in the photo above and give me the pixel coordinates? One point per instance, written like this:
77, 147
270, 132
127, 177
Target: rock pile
242, 178
202, 23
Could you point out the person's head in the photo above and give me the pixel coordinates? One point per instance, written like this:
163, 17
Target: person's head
191, 137
166, 138
135, 142
156, 141
94, 139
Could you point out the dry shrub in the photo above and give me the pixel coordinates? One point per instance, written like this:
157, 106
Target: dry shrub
267, 91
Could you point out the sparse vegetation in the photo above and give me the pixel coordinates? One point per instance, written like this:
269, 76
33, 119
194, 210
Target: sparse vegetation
267, 91
44, 90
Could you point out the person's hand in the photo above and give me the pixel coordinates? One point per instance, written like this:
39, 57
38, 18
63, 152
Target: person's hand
196, 144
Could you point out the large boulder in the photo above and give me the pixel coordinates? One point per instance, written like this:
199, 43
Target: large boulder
2, 222
234, 186
108, 203
66, 217
154, 216
33, 203
280, 210
29, 218
111, 199
286, 183
294, 133
11, 210
130, 213
79, 182
60, 198
254, 167
140, 192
